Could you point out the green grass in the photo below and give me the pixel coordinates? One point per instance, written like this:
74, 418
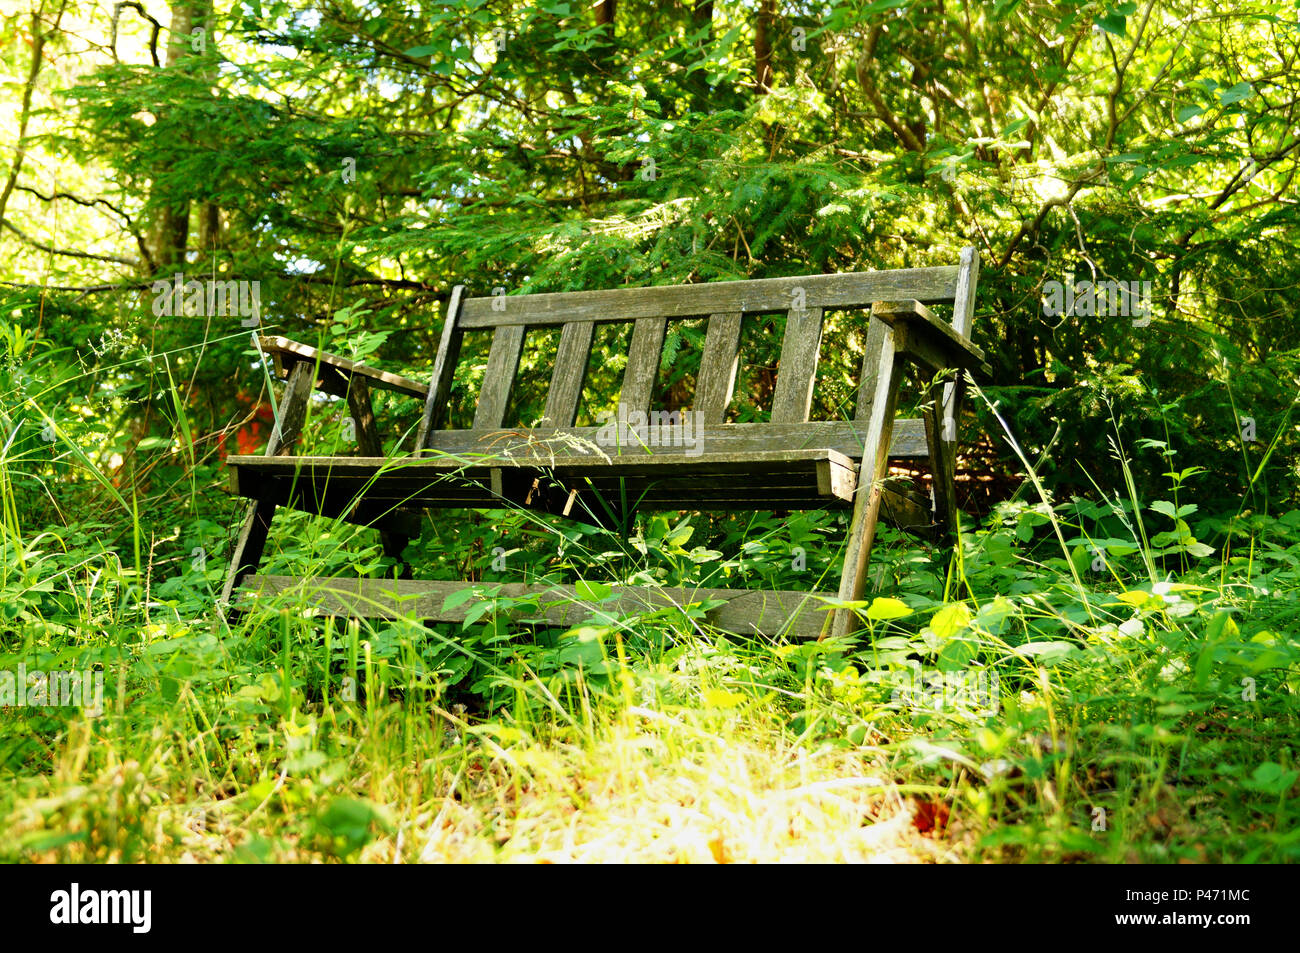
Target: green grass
1100, 681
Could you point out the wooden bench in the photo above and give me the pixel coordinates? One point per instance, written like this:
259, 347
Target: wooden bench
606, 474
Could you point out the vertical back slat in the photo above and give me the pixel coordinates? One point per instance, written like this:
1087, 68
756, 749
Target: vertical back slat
569, 375
499, 378
717, 378
800, 350
444, 366
643, 358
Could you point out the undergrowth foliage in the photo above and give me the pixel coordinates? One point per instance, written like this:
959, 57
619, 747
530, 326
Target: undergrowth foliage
1110, 678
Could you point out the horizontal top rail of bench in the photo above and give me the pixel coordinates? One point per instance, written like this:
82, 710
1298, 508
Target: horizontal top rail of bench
334, 371
935, 285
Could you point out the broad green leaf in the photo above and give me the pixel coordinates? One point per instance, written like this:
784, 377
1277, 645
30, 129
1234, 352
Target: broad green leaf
1134, 597
1236, 94
592, 591
957, 654
1047, 651
885, 608
458, 598
1111, 23
949, 620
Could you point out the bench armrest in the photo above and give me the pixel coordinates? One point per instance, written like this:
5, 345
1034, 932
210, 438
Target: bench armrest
929, 340
334, 373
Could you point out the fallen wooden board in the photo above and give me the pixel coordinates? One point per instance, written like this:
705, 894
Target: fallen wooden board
744, 611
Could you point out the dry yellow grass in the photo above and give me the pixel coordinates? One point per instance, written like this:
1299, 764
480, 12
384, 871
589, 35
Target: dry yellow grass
657, 789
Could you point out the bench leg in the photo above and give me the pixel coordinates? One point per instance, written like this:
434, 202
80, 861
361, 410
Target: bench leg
368, 442
941, 436
248, 550
866, 506
247, 554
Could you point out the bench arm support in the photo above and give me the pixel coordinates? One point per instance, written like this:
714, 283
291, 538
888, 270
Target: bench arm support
335, 374
927, 340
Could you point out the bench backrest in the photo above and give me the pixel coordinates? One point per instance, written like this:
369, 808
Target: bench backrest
805, 300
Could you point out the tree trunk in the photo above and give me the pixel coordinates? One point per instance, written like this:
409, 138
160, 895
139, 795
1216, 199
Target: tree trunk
697, 83
171, 230
763, 47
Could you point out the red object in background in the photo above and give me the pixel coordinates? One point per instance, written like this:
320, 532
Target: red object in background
253, 435
931, 817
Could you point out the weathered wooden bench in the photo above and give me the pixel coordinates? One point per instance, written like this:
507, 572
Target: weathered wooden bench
654, 460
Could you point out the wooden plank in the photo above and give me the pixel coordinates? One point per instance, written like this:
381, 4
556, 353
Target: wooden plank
293, 412
941, 468
571, 357
876, 332
334, 371
933, 356
338, 486
844, 436
370, 445
499, 377
905, 513
432, 467
246, 555
444, 367
932, 341
717, 378
748, 612
936, 285
963, 317
875, 465
797, 371
963, 306
363, 419
682, 485
834, 479
643, 356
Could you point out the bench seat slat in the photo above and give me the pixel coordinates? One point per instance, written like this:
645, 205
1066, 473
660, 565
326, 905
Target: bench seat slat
793, 479
845, 436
